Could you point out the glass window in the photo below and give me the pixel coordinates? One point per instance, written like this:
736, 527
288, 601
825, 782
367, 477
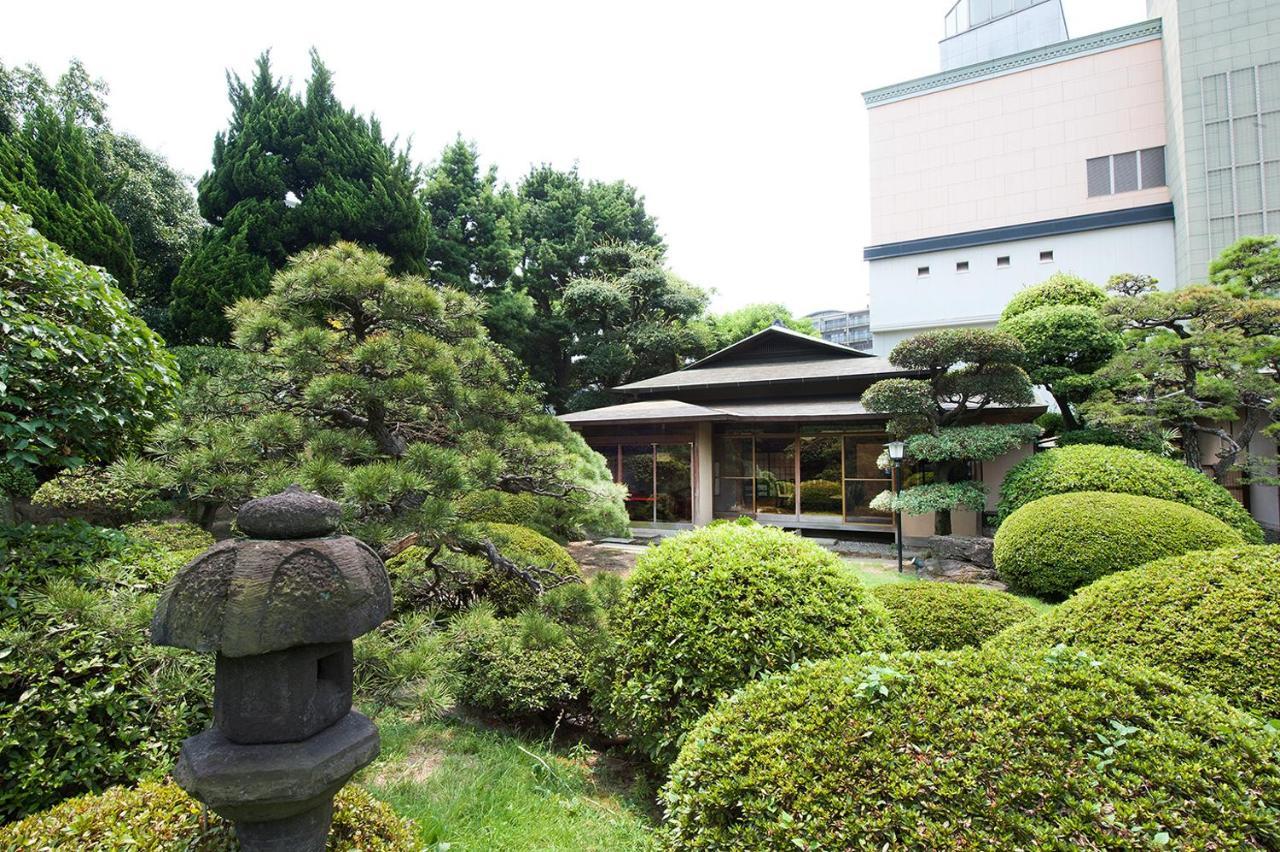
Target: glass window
863, 477
673, 495
775, 476
1215, 98
1269, 130
820, 472
979, 12
733, 489
1243, 95
1125, 171
1248, 193
1098, 171
1218, 140
1246, 139
1221, 202
1152, 167
1003, 261
1269, 85
637, 475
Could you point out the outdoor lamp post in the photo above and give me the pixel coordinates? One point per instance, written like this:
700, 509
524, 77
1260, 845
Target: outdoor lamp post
896, 450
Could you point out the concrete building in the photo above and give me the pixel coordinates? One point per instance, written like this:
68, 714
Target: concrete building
1147, 149
848, 328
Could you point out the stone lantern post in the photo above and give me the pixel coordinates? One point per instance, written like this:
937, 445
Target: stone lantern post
280, 610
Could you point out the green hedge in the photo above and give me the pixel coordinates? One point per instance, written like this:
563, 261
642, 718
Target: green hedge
974, 750
86, 701
945, 616
706, 612
1090, 467
1211, 617
170, 536
160, 816
1054, 545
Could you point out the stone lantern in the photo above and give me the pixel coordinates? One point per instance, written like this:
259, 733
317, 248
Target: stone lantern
280, 610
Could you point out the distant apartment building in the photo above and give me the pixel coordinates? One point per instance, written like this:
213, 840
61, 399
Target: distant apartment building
848, 328
1147, 148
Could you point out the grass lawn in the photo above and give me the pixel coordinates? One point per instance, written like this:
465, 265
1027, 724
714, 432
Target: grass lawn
881, 572
469, 788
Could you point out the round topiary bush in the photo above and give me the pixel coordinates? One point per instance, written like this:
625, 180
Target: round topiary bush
974, 750
1210, 617
1052, 546
945, 616
1120, 470
706, 612
159, 815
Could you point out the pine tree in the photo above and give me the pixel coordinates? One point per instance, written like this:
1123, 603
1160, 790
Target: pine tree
290, 172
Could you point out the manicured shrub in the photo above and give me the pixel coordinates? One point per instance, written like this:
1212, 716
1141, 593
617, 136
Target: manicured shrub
466, 578
1052, 546
707, 612
100, 494
1150, 442
85, 700
1210, 617
945, 616
974, 750
499, 507
16, 482
1121, 470
170, 536
524, 666
159, 815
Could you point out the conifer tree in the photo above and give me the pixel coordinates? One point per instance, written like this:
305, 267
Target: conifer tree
292, 171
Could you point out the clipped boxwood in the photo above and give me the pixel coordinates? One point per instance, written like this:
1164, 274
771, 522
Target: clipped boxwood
1091, 467
525, 547
1212, 618
1052, 546
970, 750
159, 816
706, 612
944, 616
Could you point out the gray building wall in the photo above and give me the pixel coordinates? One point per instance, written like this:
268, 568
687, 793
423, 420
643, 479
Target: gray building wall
978, 30
1222, 85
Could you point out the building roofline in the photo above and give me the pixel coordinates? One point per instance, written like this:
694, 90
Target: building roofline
1063, 50
1162, 212
721, 354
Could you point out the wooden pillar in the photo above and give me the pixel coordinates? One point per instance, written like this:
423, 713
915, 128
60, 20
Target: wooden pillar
703, 475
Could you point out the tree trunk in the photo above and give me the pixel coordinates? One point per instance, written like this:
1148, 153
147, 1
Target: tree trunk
1191, 445
1069, 421
388, 442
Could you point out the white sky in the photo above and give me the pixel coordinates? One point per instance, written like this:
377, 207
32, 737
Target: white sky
741, 122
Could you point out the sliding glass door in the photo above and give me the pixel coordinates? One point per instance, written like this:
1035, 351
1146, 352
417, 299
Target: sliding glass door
658, 477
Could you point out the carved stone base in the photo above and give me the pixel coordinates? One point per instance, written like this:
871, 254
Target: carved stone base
304, 832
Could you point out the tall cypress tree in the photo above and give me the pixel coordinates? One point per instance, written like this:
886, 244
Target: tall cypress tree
291, 172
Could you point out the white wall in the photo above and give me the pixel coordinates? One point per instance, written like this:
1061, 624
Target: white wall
904, 304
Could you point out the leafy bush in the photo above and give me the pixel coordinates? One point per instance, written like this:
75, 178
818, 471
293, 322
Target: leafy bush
1122, 471
159, 815
933, 497
1211, 618
526, 665
463, 578
986, 441
974, 750
1056, 544
101, 493
1147, 442
1061, 288
16, 481
85, 700
945, 616
170, 536
82, 377
708, 611
406, 663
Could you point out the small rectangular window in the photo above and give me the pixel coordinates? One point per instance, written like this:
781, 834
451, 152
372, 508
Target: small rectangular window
1125, 171
962, 266
922, 272
1152, 167
1099, 171
1046, 256
1002, 261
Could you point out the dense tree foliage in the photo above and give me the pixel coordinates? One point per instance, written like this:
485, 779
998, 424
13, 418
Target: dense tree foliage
379, 390
1059, 325
292, 171
962, 372
628, 319
81, 378
100, 194
1249, 267
473, 244
560, 218
731, 326
1194, 359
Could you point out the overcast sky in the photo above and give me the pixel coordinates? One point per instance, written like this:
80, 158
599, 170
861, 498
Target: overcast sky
742, 123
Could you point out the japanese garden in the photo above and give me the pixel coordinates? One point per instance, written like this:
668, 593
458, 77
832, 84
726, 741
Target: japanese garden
363, 501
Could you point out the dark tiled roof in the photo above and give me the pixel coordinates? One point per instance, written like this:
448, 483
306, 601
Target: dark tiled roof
674, 411
767, 372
